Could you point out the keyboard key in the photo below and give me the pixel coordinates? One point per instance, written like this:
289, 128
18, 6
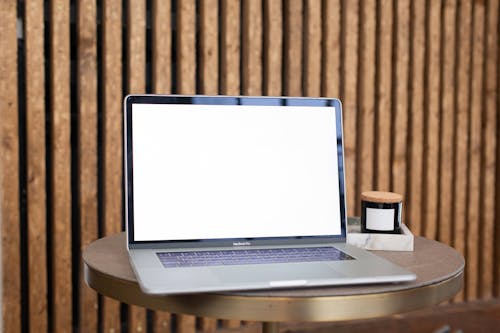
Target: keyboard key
246, 257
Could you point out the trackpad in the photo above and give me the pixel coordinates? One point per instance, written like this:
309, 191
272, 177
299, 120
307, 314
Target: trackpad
278, 273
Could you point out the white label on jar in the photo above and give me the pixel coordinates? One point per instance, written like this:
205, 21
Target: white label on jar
380, 219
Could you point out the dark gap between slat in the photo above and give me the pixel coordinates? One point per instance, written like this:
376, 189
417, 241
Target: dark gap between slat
409, 141
199, 77
75, 193
265, 31
376, 116
442, 44
242, 48
305, 31
219, 47
174, 47
324, 50
100, 142
285, 44
394, 86
149, 47
360, 120
23, 230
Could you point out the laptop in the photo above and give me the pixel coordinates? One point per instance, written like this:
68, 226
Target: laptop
239, 193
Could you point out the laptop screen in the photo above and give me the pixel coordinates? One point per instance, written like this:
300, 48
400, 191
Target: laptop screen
233, 168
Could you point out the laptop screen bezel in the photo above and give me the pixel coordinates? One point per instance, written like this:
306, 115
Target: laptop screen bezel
227, 100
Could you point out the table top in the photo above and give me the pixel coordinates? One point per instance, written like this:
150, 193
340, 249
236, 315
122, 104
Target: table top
439, 269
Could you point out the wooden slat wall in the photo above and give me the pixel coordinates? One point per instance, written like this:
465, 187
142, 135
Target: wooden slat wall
35, 144
419, 82
10, 215
60, 194
112, 91
86, 94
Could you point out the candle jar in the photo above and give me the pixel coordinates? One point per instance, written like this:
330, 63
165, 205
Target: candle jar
381, 212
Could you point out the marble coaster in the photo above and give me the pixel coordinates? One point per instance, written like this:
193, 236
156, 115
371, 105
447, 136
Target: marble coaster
372, 241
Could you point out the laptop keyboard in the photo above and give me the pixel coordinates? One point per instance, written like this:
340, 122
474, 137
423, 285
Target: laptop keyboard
254, 256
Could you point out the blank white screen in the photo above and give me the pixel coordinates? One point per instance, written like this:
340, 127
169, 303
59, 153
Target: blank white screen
211, 172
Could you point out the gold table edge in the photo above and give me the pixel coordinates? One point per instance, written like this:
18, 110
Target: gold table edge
279, 309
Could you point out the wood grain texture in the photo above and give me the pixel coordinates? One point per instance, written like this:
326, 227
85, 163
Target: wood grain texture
162, 322
112, 140
273, 48
60, 172
400, 84
230, 47
475, 124
9, 171
312, 48
462, 91
383, 116
87, 148
136, 47
350, 94
367, 65
185, 323
489, 159
252, 48
162, 46
35, 145
447, 125
432, 115
209, 44
186, 47
136, 84
416, 137
292, 53
331, 48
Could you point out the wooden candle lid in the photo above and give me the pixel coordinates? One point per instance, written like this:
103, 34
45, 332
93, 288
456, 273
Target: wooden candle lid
381, 197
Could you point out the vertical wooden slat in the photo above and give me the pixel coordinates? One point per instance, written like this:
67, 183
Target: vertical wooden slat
186, 84
312, 48
9, 171
417, 61
60, 173
431, 143
447, 122
462, 89
489, 162
252, 48
273, 48
87, 147
368, 16
136, 52
293, 47
186, 47
384, 102
112, 136
230, 47
209, 41
350, 77
161, 84
35, 130
475, 123
401, 98
162, 47
331, 48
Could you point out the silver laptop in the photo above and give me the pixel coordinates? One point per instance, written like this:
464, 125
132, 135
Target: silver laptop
237, 193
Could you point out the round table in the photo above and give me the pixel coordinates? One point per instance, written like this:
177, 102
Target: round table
439, 269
